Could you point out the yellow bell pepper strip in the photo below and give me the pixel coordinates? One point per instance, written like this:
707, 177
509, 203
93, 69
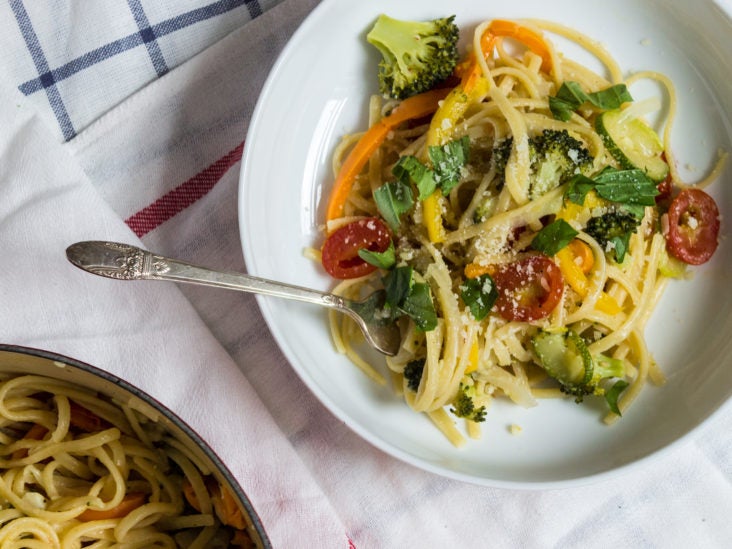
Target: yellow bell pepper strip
572, 273
432, 216
451, 110
411, 108
575, 272
607, 304
473, 358
571, 211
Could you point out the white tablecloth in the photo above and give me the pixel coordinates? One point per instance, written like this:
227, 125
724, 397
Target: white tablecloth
125, 121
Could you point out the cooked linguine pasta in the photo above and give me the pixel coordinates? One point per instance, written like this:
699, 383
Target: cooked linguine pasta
78, 470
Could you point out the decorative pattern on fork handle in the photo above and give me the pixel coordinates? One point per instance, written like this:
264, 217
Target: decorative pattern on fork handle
131, 263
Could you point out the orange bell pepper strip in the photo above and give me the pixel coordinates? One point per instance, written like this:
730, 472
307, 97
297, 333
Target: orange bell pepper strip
411, 108
241, 539
129, 503
474, 270
190, 495
584, 258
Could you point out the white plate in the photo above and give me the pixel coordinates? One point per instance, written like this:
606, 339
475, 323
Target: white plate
318, 91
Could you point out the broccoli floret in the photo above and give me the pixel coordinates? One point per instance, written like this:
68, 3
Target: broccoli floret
464, 405
555, 157
413, 373
612, 231
416, 54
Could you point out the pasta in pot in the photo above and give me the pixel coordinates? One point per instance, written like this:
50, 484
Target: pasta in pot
80, 470
529, 273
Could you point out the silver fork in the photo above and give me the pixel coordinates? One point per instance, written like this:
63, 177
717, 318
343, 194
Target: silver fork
127, 262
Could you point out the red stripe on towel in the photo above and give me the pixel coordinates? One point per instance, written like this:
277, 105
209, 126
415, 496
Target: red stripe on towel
183, 195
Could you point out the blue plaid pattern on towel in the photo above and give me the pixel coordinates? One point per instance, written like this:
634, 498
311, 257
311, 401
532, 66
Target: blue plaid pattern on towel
76, 60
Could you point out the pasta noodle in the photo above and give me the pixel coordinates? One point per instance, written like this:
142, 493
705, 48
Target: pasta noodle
79, 470
490, 220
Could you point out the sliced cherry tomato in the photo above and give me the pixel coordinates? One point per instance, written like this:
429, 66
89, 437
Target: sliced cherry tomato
340, 252
528, 289
693, 227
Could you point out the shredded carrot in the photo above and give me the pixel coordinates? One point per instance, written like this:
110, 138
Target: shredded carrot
129, 503
411, 108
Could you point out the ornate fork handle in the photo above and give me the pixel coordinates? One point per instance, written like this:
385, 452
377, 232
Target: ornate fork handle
120, 261
126, 262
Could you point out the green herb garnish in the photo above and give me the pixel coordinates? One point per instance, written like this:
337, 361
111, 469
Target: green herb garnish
571, 97
554, 237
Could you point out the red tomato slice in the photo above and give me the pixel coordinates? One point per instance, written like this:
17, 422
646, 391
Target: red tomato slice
340, 252
693, 227
528, 289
